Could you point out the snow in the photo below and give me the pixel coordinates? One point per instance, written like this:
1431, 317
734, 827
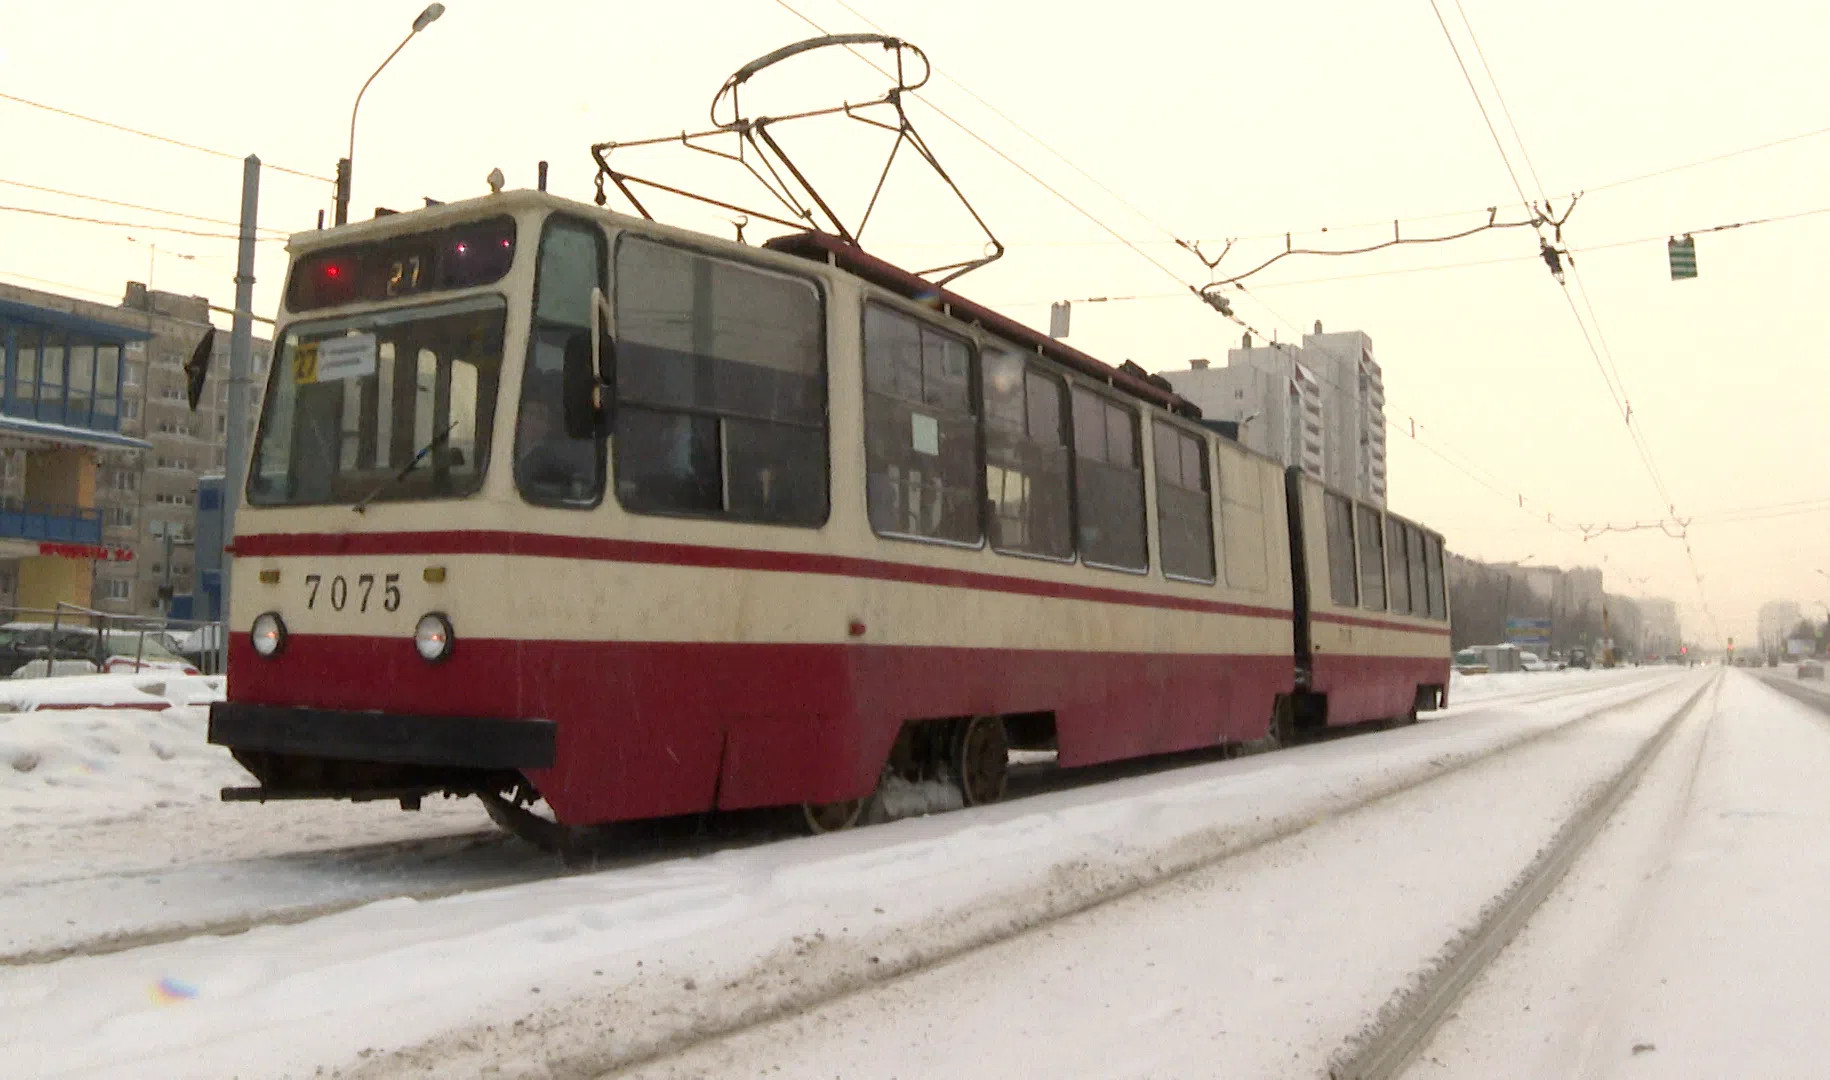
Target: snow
1486, 687
62, 760
593, 969
1690, 941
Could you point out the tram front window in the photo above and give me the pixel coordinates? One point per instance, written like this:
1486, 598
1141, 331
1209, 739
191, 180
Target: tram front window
353, 401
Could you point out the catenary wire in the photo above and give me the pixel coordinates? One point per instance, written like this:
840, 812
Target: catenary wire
133, 206
156, 138
32, 210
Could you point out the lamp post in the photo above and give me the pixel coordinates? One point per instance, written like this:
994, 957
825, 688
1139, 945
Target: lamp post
346, 166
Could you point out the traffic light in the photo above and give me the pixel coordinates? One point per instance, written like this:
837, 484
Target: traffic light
1683, 257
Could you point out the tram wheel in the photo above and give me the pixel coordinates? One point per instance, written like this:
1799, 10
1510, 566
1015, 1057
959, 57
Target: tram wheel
831, 817
981, 760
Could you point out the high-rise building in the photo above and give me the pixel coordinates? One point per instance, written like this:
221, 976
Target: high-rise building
1353, 402
143, 483
1777, 620
1319, 407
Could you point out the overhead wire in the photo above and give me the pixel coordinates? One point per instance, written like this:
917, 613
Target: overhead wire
1134, 245
1414, 424
1032, 136
134, 206
1015, 164
156, 138
1609, 370
37, 212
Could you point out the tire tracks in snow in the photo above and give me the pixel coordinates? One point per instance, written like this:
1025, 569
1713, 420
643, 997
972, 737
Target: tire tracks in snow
435, 854
606, 1032
1384, 1049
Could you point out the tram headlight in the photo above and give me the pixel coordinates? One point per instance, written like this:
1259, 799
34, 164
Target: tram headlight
269, 634
432, 637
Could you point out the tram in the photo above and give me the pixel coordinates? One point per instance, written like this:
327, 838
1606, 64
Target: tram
553, 504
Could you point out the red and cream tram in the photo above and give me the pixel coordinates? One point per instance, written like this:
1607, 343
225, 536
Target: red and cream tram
547, 502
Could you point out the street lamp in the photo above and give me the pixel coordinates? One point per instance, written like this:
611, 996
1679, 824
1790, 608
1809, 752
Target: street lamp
347, 165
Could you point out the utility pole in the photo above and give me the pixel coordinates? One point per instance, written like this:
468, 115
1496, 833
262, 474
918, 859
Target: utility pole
241, 360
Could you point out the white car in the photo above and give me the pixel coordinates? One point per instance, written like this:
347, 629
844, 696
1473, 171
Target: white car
1531, 661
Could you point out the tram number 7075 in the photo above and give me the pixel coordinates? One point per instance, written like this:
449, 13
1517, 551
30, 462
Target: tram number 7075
342, 591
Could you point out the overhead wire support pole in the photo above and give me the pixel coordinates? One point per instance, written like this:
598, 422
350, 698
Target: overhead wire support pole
241, 363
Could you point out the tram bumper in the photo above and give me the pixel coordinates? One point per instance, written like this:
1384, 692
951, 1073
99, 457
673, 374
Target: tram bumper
305, 753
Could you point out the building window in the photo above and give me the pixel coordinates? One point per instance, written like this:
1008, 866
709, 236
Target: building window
130, 409
1184, 504
721, 388
1026, 458
1108, 483
921, 454
1397, 577
115, 590
1372, 560
1341, 578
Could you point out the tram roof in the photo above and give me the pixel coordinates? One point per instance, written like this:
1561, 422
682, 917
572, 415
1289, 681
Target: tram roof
818, 247
823, 247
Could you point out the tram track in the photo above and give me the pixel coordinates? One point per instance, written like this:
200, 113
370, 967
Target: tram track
465, 859
766, 994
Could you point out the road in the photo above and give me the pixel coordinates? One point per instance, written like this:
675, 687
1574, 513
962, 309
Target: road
1344, 906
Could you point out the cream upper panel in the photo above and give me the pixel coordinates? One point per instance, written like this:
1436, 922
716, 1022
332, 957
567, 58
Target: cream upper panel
1250, 528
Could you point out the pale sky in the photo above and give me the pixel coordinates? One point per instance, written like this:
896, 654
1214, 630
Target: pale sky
1216, 120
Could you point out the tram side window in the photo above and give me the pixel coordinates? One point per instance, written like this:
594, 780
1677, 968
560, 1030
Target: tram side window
1108, 483
1026, 458
1372, 560
1420, 592
921, 453
1341, 579
550, 466
721, 388
1184, 507
1439, 607
1396, 561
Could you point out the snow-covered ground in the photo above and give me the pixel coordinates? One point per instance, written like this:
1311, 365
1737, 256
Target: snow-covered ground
587, 971
1690, 941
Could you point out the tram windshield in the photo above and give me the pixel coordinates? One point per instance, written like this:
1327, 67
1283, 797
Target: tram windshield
382, 405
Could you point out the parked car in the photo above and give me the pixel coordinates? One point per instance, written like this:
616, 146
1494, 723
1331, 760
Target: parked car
1810, 669
1471, 662
1579, 658
105, 651
1530, 661
22, 643
201, 646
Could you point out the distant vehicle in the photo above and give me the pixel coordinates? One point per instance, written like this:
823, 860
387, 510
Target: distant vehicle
1579, 658
1530, 661
1810, 669
1471, 662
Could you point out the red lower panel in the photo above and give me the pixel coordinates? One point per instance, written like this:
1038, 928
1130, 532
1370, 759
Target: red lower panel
649, 729
1362, 688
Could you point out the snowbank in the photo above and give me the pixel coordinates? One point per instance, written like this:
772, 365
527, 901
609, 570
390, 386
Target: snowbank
62, 756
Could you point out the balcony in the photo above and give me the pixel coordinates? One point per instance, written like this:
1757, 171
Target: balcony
21, 520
